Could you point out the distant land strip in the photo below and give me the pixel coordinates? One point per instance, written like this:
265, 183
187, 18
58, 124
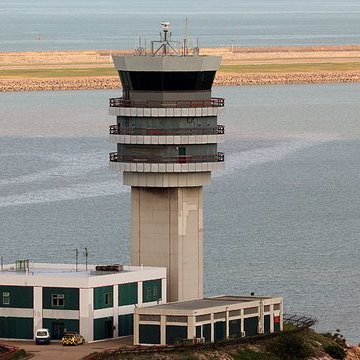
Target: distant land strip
83, 70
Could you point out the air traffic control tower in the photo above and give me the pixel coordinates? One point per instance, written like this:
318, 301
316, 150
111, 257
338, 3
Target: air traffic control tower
166, 134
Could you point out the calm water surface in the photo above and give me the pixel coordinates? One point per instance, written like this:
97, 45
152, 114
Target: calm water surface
282, 218
111, 24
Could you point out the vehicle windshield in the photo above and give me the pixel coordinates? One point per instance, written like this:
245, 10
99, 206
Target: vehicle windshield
42, 333
69, 335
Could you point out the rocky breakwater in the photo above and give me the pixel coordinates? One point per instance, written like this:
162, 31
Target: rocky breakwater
222, 79
235, 79
90, 83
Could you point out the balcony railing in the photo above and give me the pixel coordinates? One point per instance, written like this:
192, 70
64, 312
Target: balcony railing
121, 102
119, 130
219, 157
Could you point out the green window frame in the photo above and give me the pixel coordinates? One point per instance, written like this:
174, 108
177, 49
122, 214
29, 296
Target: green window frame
152, 290
108, 298
13, 296
61, 298
128, 294
58, 300
103, 297
6, 298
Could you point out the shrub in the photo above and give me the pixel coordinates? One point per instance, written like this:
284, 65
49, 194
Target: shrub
248, 354
290, 347
336, 351
337, 337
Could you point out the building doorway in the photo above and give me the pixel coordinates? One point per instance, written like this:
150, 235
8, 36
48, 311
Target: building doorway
109, 329
57, 330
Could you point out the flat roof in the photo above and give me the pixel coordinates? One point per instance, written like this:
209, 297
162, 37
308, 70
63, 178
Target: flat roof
67, 270
210, 302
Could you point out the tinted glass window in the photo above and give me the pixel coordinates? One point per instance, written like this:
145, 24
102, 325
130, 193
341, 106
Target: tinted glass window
170, 81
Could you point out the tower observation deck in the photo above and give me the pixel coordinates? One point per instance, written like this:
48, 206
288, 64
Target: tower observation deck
166, 133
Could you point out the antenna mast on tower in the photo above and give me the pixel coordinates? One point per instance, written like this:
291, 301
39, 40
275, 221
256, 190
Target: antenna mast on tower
167, 46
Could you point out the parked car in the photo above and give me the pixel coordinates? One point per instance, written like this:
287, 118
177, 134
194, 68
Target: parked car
72, 338
42, 336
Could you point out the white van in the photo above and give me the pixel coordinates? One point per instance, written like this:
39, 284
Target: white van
42, 336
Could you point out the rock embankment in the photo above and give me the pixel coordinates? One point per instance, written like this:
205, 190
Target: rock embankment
92, 83
222, 79
229, 79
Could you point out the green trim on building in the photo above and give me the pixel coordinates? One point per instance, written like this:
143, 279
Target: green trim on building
126, 325
219, 331
251, 326
151, 290
103, 328
58, 327
277, 327
60, 298
206, 328
149, 334
198, 331
128, 294
175, 334
16, 328
16, 297
235, 328
266, 324
103, 297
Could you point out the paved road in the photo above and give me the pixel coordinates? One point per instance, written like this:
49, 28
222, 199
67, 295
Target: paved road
59, 352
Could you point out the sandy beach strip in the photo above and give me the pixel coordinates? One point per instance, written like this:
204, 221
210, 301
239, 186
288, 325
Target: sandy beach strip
83, 70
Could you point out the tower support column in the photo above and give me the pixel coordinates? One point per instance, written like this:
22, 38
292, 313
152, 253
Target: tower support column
167, 231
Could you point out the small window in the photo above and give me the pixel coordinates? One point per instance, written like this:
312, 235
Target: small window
6, 298
108, 299
58, 300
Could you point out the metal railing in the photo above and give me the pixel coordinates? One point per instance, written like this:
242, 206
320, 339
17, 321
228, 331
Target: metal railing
121, 102
300, 321
119, 130
6, 350
181, 159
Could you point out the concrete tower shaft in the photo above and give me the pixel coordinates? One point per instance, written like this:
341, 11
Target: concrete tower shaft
166, 134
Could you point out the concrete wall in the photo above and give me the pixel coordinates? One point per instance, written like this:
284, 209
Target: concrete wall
167, 231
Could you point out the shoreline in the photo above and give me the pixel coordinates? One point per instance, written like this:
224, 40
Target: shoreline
92, 70
228, 79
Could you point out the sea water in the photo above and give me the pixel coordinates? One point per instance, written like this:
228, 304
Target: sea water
112, 24
282, 218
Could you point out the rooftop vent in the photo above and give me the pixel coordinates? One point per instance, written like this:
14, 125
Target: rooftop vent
22, 265
110, 268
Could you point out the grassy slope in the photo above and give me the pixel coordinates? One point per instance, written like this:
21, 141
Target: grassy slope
290, 68
56, 73
102, 71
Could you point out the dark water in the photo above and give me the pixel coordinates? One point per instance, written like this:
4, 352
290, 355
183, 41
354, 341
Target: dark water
111, 24
282, 218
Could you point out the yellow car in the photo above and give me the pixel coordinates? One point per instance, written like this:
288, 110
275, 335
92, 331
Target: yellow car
72, 338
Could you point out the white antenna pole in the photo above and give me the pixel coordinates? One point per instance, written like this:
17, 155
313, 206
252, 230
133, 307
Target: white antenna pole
186, 37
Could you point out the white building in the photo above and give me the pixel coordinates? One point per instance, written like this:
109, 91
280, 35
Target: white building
208, 320
97, 304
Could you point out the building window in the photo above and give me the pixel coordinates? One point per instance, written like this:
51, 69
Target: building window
152, 290
58, 300
108, 298
6, 298
128, 294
